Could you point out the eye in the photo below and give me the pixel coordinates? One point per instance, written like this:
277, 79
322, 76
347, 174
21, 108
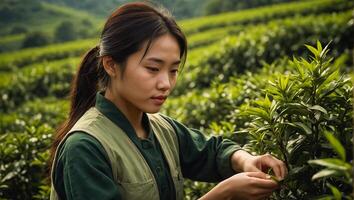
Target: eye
174, 71
153, 69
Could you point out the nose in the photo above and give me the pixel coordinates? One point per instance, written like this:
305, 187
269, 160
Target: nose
163, 82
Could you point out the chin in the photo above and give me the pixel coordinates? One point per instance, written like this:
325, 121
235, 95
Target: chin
152, 110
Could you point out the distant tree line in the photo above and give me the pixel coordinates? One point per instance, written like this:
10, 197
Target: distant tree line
11, 11
180, 8
65, 31
219, 6
15, 12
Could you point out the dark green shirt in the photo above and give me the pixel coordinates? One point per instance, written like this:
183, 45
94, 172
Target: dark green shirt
83, 169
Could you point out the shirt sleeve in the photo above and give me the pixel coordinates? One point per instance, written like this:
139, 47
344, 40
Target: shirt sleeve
203, 159
83, 170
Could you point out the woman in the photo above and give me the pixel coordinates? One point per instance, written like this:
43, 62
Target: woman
111, 148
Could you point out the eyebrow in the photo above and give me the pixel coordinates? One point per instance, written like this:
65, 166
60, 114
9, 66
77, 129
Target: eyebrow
161, 61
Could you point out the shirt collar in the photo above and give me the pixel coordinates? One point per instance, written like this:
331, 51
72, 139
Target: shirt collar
112, 112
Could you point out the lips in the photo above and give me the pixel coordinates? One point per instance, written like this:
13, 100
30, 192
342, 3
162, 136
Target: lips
160, 97
158, 100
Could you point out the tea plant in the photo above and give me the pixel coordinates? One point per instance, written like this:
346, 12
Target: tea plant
263, 14
23, 162
245, 51
291, 120
338, 172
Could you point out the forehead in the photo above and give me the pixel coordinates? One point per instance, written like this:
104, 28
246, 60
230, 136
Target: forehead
164, 47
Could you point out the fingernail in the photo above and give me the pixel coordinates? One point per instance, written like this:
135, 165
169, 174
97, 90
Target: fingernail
268, 177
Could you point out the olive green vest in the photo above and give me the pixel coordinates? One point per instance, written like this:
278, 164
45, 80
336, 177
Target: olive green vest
130, 170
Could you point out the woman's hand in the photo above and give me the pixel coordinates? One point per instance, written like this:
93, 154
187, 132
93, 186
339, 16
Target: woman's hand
243, 186
252, 183
242, 161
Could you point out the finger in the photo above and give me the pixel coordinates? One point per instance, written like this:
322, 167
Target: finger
268, 184
259, 174
262, 180
278, 171
283, 169
275, 164
279, 168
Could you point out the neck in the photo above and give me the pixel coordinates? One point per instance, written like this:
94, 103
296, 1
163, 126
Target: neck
132, 113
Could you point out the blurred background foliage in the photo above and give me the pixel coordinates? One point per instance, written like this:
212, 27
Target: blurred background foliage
248, 77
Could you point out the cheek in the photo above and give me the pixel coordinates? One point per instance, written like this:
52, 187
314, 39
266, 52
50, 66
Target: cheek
139, 82
173, 81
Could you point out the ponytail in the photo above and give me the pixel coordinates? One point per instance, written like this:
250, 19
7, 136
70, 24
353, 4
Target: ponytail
82, 95
85, 85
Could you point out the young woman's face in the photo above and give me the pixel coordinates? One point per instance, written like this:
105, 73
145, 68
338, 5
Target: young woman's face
146, 83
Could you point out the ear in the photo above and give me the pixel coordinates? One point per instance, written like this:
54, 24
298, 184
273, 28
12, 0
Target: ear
110, 66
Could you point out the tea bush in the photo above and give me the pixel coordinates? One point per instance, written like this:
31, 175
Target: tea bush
49, 111
220, 110
268, 42
299, 108
40, 80
12, 61
264, 14
337, 170
23, 162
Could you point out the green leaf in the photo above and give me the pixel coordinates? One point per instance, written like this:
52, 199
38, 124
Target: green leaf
319, 46
332, 163
8, 176
325, 50
319, 108
337, 146
264, 128
258, 112
313, 50
324, 173
336, 193
298, 66
302, 126
267, 102
283, 82
306, 64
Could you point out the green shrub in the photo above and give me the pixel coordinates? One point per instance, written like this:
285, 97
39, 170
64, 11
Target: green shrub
290, 122
65, 31
41, 80
265, 14
247, 50
12, 61
51, 111
23, 162
36, 39
337, 170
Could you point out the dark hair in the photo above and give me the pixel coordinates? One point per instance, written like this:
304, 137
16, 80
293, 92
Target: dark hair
124, 33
